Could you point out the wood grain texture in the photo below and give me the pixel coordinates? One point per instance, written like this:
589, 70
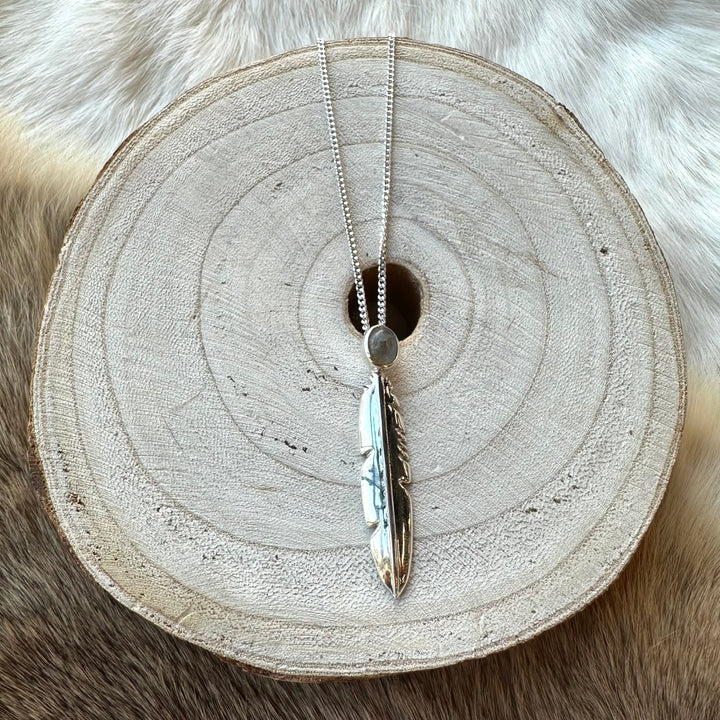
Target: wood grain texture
197, 377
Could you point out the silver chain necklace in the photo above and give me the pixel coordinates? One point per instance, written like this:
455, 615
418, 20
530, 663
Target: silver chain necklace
385, 471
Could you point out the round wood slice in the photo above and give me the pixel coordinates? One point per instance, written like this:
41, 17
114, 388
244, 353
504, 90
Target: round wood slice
198, 376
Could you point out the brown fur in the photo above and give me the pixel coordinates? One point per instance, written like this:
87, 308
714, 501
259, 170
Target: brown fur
648, 648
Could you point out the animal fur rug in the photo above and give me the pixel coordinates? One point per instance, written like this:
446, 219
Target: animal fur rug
642, 75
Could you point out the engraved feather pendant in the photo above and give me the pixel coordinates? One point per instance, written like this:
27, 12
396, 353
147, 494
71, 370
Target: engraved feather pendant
385, 473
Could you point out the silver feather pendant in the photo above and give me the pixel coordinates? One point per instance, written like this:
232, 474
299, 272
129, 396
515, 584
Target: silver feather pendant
385, 473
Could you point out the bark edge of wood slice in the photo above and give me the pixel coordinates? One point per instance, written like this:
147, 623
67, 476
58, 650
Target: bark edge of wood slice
197, 375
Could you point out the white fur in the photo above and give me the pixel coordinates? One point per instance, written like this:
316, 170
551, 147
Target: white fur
643, 76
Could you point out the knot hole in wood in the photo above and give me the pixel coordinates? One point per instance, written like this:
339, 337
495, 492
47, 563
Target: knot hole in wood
404, 299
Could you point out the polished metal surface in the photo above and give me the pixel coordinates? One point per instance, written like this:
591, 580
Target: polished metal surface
386, 502
385, 473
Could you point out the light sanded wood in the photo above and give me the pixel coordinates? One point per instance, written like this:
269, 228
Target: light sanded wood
197, 379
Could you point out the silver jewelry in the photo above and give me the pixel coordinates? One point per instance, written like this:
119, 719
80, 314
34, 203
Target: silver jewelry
385, 471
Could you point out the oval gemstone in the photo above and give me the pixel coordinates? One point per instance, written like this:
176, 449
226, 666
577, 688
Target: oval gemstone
381, 345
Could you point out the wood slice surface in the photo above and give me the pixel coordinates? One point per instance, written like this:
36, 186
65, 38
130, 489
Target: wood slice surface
197, 376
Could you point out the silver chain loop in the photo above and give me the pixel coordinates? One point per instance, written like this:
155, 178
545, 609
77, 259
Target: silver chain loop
382, 251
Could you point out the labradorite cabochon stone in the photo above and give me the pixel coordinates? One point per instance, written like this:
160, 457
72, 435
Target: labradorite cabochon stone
381, 345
